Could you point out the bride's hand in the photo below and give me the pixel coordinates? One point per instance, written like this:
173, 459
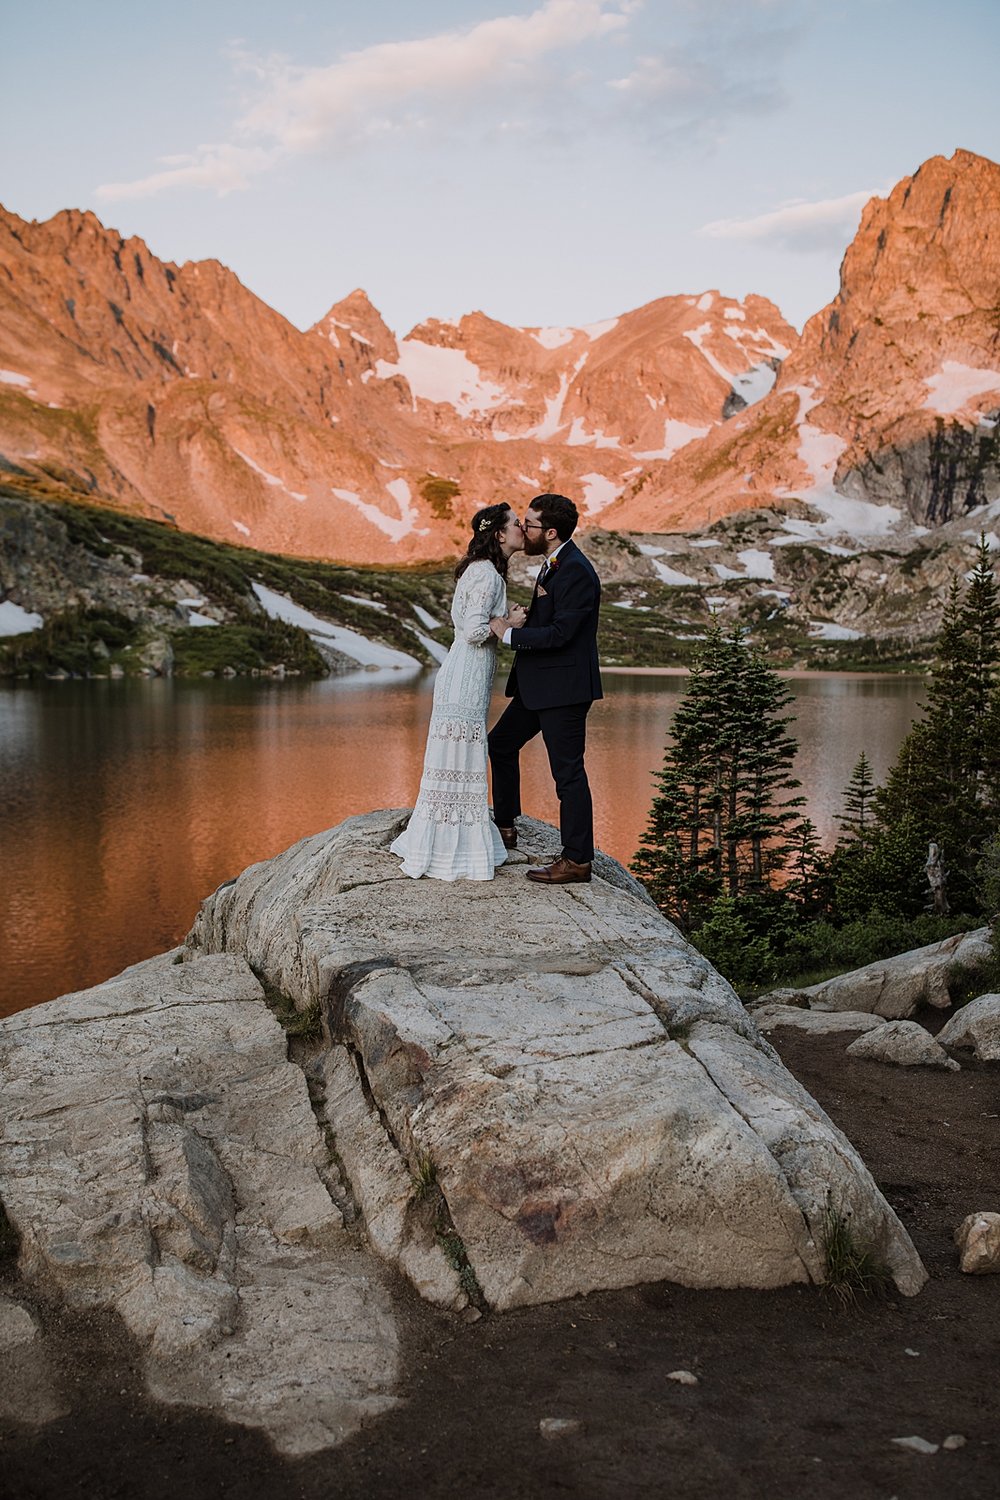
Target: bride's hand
516, 616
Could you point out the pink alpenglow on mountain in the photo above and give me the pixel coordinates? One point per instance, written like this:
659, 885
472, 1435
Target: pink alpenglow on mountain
175, 393
886, 408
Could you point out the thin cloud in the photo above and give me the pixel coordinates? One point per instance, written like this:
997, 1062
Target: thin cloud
721, 63
386, 88
800, 225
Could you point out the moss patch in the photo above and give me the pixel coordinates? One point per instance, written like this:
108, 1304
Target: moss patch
440, 494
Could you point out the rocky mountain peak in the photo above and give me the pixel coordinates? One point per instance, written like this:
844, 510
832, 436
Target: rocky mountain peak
883, 413
356, 330
178, 389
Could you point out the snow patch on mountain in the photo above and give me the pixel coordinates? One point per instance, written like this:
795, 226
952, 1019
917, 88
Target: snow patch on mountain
348, 642
393, 528
17, 621
676, 435
368, 603
754, 384
598, 330
445, 376
756, 563
954, 385
426, 619
579, 437
598, 491
270, 479
358, 338
826, 630
672, 576
553, 338
552, 420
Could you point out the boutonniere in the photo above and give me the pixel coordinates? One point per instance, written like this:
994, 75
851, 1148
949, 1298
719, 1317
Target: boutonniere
553, 563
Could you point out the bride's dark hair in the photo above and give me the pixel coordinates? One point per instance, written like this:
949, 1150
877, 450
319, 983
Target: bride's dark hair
487, 525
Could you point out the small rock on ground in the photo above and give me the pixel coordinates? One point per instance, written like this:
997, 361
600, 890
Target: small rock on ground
557, 1427
683, 1377
975, 1027
915, 1445
978, 1241
903, 1043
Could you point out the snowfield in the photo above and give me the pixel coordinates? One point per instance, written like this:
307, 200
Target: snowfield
365, 652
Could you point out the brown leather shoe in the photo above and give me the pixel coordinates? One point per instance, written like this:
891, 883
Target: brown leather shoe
508, 837
561, 871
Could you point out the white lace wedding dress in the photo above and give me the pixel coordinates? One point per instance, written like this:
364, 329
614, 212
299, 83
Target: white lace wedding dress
450, 835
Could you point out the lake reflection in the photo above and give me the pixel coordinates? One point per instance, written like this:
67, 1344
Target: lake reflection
124, 803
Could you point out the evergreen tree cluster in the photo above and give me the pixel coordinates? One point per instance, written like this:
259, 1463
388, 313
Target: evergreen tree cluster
721, 824
729, 857
944, 787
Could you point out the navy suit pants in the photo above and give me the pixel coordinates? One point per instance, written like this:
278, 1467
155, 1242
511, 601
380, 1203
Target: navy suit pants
564, 733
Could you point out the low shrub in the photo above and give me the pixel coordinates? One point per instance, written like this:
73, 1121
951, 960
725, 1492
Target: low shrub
78, 641
820, 945
727, 941
246, 647
852, 1268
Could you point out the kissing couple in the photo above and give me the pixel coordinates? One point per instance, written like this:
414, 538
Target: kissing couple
554, 680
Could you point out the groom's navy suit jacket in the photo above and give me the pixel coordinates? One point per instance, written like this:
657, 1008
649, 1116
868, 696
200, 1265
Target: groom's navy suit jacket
555, 660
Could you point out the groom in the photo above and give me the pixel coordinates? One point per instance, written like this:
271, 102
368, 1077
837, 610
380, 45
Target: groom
553, 682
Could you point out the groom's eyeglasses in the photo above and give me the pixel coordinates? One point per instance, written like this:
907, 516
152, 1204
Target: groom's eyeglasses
539, 525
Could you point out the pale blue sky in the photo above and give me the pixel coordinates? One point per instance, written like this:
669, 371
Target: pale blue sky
548, 161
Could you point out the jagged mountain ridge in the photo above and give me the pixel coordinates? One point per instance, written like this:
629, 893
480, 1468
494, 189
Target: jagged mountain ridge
175, 393
884, 416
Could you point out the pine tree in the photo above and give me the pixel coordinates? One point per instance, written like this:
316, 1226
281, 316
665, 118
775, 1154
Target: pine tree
980, 619
943, 785
809, 884
858, 819
722, 821
762, 818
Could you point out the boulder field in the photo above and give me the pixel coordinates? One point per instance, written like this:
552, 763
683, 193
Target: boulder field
506, 1094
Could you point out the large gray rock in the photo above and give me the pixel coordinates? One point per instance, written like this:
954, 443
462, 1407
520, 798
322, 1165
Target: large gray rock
816, 1022
584, 1098
903, 1043
160, 1157
896, 988
522, 1094
975, 1028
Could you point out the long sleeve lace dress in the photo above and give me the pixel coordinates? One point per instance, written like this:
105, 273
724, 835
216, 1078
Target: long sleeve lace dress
450, 835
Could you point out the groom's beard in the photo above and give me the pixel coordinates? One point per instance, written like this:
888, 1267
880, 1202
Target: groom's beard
534, 546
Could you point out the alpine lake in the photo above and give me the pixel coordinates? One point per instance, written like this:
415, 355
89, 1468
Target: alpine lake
126, 802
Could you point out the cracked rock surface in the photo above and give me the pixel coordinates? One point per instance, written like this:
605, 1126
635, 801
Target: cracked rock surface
160, 1158
583, 1099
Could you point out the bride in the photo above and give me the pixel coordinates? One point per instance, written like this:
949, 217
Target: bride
450, 835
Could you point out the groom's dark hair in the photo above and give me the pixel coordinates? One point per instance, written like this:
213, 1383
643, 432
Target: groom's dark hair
558, 512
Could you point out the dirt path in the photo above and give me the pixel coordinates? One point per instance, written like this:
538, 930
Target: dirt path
797, 1395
